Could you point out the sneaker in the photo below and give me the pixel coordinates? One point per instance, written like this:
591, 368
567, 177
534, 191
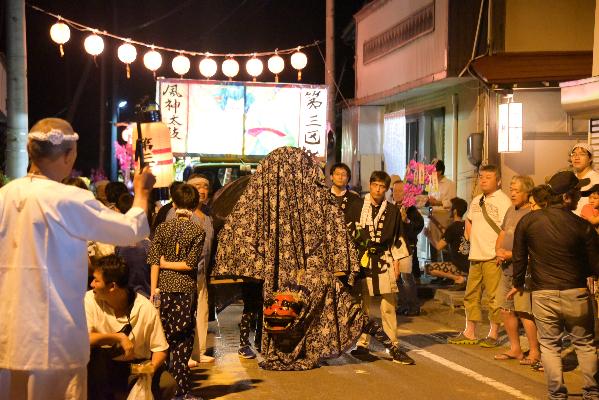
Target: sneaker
401, 357
360, 351
190, 396
489, 342
462, 339
246, 352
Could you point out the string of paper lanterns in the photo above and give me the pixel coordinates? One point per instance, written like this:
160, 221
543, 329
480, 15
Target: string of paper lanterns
181, 64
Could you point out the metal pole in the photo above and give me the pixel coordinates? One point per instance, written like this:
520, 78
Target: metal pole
330, 62
16, 104
114, 103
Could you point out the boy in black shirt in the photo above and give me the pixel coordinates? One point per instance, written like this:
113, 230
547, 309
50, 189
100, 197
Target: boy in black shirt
459, 247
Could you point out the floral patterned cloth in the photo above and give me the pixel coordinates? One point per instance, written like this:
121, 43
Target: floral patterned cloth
287, 230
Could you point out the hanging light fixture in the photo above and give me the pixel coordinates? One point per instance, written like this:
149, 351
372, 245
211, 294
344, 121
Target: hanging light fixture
254, 67
60, 34
94, 44
208, 67
509, 135
152, 60
127, 53
276, 65
299, 61
230, 68
180, 65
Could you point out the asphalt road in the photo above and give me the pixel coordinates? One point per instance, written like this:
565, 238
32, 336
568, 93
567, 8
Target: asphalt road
442, 371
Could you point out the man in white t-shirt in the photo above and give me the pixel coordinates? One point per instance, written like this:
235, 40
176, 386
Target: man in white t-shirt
44, 229
124, 328
581, 158
485, 217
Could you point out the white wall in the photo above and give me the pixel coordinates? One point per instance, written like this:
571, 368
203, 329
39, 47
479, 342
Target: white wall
540, 159
422, 57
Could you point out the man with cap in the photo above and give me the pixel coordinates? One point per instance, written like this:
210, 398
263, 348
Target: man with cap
560, 250
581, 158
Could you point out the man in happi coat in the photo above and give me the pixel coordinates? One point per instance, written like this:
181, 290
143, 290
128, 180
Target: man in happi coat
287, 231
378, 237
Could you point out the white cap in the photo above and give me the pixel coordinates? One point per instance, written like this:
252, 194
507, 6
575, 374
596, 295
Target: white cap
582, 145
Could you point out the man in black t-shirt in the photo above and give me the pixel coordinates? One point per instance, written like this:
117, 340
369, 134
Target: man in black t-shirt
459, 247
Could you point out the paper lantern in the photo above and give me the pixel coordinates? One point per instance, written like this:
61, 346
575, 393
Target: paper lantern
299, 61
152, 61
208, 67
180, 65
509, 138
127, 53
60, 34
276, 65
254, 67
94, 44
157, 151
230, 68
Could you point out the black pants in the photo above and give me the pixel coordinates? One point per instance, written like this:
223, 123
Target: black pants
178, 316
111, 380
251, 318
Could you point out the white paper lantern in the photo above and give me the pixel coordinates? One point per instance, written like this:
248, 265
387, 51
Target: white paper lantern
94, 44
60, 34
276, 65
299, 61
230, 68
254, 67
127, 53
181, 65
152, 60
208, 67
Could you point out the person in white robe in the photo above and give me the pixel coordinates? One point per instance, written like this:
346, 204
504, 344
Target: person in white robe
44, 228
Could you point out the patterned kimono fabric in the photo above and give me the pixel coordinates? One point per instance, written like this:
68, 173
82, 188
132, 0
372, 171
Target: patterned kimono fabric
287, 231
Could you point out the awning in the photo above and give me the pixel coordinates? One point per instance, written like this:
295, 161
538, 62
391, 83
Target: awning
529, 67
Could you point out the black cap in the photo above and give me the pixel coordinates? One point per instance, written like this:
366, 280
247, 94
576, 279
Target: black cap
564, 181
588, 192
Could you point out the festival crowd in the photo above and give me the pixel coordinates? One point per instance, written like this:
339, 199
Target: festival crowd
312, 258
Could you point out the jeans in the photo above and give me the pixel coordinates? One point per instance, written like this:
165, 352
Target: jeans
556, 311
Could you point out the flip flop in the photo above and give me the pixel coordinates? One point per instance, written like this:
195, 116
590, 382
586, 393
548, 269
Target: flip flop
528, 361
537, 367
505, 357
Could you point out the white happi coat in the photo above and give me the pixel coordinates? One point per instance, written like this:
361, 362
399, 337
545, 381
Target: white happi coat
44, 228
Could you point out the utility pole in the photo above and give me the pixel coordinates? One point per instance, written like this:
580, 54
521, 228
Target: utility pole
329, 79
16, 105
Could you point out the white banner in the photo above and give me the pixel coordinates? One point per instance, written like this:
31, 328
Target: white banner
313, 120
174, 107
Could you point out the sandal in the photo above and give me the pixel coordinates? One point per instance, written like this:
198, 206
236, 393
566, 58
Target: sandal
506, 357
528, 361
538, 367
462, 339
488, 342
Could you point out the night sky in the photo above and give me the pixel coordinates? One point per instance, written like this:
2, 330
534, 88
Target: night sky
219, 26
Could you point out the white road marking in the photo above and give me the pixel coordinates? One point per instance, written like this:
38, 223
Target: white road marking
468, 372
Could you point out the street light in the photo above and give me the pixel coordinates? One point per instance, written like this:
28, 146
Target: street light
122, 104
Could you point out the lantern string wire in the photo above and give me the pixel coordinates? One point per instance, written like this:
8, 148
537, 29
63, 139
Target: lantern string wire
84, 28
